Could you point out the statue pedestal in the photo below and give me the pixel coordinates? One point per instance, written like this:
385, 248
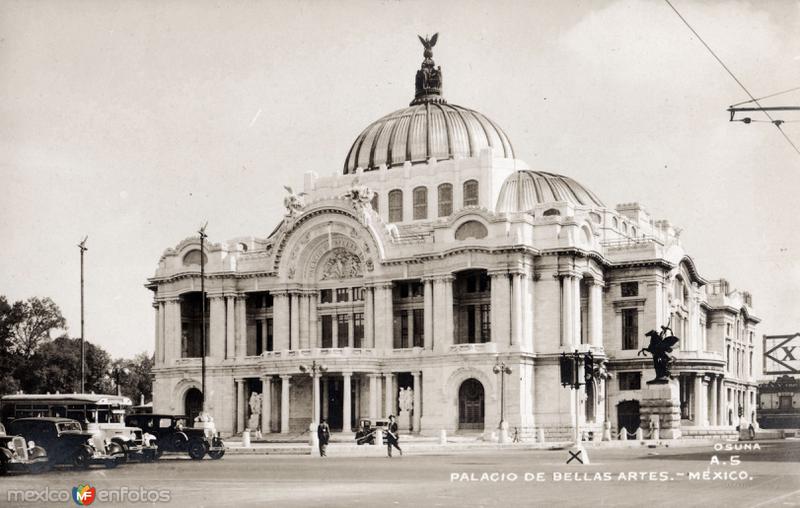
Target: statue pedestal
404, 420
661, 404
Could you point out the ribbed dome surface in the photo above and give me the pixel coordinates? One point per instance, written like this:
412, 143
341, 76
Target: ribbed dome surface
423, 131
525, 189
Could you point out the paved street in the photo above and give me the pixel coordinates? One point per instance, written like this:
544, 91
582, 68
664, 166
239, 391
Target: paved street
650, 477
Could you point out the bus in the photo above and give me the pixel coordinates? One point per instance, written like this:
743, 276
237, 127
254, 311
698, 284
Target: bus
102, 415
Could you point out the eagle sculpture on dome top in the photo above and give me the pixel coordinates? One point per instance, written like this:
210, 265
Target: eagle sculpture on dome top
428, 42
428, 81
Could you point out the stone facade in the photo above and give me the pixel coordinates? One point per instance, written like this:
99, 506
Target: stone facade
424, 275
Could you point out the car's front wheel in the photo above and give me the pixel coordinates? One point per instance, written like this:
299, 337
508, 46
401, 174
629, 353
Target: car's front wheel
197, 449
216, 454
82, 459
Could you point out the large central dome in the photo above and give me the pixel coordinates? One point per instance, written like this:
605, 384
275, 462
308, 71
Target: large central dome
428, 129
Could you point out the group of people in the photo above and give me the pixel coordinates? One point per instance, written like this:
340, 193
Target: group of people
392, 437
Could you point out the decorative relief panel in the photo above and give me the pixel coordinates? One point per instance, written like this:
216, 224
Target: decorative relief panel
341, 264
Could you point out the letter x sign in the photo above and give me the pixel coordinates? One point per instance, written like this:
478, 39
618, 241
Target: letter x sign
782, 354
574, 456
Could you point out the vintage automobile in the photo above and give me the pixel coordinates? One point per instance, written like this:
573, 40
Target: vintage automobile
66, 442
20, 456
367, 428
174, 435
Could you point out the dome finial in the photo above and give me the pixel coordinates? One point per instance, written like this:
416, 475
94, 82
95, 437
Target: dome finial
429, 77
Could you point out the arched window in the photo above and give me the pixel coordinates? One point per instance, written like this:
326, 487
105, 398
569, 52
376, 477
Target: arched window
396, 206
445, 200
471, 193
471, 229
420, 203
615, 222
374, 203
633, 231
551, 212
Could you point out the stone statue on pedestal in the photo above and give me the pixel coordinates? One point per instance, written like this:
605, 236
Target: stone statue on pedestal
660, 346
406, 403
255, 411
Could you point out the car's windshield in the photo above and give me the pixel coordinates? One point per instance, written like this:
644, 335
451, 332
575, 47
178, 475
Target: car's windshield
62, 426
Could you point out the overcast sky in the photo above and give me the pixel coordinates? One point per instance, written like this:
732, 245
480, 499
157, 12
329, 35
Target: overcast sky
134, 122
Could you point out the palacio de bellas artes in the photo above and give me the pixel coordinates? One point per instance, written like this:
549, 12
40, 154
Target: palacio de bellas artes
427, 256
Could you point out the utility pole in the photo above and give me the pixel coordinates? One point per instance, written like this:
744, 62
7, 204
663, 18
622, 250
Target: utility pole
82, 247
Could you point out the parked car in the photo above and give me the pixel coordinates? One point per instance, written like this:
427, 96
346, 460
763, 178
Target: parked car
135, 443
368, 427
18, 455
65, 442
174, 435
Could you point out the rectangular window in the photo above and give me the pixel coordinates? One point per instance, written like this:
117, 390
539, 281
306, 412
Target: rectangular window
327, 331
630, 380
486, 323
358, 330
419, 327
326, 296
471, 193
630, 328
629, 288
420, 196
342, 295
259, 337
358, 294
396, 206
342, 330
471, 324
270, 344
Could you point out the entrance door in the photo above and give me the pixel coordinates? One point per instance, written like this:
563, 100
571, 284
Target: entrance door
193, 404
628, 416
470, 405
335, 401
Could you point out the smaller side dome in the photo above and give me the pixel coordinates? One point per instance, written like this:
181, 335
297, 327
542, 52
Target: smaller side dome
525, 189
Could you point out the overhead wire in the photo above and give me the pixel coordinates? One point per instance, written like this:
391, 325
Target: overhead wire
767, 96
732, 75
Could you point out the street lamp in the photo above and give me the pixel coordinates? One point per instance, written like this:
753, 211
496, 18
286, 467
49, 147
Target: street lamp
83, 248
115, 372
315, 370
502, 369
203, 237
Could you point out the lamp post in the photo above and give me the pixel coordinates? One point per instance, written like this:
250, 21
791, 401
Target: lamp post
203, 317
502, 369
115, 372
83, 248
315, 370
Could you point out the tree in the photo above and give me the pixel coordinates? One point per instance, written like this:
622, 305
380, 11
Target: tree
31, 323
56, 367
8, 383
138, 382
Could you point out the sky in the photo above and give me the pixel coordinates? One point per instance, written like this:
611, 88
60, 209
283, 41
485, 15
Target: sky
134, 122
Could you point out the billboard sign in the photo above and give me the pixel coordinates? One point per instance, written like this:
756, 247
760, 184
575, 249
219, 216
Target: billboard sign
782, 354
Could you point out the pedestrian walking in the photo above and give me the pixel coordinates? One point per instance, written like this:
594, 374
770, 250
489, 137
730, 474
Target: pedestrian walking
392, 436
323, 436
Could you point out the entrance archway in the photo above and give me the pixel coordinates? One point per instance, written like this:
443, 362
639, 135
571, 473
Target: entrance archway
193, 403
471, 402
628, 416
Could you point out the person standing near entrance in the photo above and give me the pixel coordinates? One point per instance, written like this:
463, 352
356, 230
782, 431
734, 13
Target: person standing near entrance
392, 436
323, 435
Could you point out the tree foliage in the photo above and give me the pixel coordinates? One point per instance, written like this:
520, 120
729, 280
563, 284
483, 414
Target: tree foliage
30, 324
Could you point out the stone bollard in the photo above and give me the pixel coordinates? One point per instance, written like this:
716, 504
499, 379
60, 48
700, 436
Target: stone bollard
654, 434
639, 434
540, 437
503, 433
246, 438
442, 437
606, 431
623, 434
378, 437
313, 439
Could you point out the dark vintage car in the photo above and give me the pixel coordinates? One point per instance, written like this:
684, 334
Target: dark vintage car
174, 435
66, 443
368, 428
18, 455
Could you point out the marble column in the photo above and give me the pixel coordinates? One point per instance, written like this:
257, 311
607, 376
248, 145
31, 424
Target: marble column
294, 331
722, 418
369, 318
350, 329
240, 405
389, 400
216, 338
303, 319
230, 327
174, 329
501, 307
240, 309
568, 315
280, 320
285, 383
713, 403
443, 313
346, 403
315, 399
373, 395
427, 313
313, 320
517, 318
417, 418
699, 406
159, 355
449, 322
266, 404
596, 313
334, 331
326, 400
